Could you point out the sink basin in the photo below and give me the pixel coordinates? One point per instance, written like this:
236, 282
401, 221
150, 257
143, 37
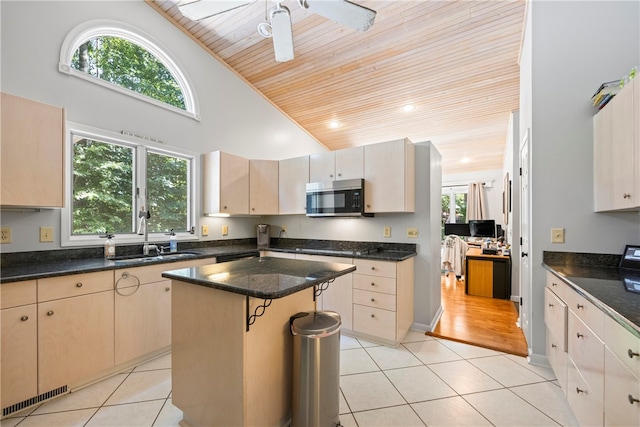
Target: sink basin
134, 259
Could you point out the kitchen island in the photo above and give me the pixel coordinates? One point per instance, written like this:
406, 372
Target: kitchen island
231, 343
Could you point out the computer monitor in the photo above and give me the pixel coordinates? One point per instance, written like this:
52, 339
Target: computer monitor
458, 229
482, 227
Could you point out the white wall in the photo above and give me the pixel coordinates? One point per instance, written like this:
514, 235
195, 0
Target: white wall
571, 48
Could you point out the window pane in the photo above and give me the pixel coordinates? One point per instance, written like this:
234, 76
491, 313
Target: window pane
103, 182
130, 66
167, 192
461, 207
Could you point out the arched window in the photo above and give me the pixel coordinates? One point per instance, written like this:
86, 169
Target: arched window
120, 57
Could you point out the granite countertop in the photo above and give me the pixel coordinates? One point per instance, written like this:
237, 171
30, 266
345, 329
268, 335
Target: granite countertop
604, 286
38, 265
265, 277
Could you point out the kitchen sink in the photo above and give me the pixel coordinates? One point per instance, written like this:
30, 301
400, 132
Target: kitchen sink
134, 259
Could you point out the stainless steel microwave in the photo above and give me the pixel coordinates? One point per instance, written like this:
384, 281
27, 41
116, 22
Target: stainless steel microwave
336, 198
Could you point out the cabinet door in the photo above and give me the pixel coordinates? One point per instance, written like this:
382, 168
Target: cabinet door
75, 339
322, 167
226, 184
32, 153
621, 388
389, 173
19, 354
350, 163
263, 187
142, 320
294, 176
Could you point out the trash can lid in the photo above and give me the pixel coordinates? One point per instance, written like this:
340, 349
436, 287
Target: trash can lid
316, 323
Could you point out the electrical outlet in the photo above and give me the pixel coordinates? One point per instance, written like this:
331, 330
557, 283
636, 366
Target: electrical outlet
5, 235
205, 230
284, 228
225, 230
557, 235
412, 232
386, 232
46, 234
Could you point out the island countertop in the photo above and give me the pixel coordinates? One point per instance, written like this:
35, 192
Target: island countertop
265, 277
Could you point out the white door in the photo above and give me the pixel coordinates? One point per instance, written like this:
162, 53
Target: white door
525, 279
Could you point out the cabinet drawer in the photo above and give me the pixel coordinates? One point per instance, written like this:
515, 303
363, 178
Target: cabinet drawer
591, 315
374, 299
17, 293
586, 407
375, 268
73, 285
558, 359
558, 286
587, 353
622, 387
555, 317
373, 283
623, 344
374, 321
153, 273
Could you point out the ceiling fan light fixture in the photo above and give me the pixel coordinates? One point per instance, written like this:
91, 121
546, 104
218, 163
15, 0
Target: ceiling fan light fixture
282, 33
408, 108
342, 11
265, 30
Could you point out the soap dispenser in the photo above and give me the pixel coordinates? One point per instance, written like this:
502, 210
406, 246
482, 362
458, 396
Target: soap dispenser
109, 247
173, 242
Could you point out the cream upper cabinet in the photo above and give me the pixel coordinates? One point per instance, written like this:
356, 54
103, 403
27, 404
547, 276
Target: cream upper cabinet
263, 187
32, 153
337, 165
226, 184
389, 173
294, 176
616, 156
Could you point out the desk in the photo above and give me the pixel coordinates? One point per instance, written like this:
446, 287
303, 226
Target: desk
487, 275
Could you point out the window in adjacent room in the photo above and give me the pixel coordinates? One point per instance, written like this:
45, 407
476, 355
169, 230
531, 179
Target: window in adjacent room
122, 58
454, 205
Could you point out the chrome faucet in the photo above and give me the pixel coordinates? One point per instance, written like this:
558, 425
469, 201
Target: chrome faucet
142, 223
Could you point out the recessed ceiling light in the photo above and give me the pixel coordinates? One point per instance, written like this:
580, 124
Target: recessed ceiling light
408, 108
465, 160
334, 124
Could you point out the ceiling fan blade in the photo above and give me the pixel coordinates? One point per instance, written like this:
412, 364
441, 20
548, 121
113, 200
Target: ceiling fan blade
343, 12
201, 9
282, 34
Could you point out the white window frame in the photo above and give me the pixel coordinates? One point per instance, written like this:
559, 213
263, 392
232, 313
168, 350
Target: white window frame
452, 191
67, 239
109, 28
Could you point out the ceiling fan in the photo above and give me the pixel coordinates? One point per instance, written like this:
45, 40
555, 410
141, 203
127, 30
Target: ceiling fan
279, 26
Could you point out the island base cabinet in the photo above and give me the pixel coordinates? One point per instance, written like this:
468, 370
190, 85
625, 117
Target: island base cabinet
75, 339
586, 406
558, 359
224, 374
621, 393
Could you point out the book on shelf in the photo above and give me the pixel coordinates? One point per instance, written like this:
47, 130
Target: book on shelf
607, 85
605, 92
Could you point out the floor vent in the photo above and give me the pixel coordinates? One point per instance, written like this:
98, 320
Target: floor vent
32, 401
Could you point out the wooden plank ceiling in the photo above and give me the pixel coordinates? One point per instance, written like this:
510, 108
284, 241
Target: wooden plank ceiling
455, 61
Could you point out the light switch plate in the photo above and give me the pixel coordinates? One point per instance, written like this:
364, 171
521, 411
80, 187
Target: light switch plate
5, 235
46, 234
557, 235
225, 230
386, 232
205, 230
412, 232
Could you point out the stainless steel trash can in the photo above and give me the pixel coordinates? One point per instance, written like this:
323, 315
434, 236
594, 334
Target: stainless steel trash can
316, 369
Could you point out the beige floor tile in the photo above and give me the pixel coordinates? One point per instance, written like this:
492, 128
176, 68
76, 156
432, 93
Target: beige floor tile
506, 371
463, 377
365, 343
397, 416
468, 351
347, 420
432, 352
128, 415
392, 358
141, 386
544, 371
452, 411
162, 362
356, 361
344, 408
416, 336
348, 343
369, 391
169, 416
505, 408
548, 398
92, 396
11, 422
419, 383
59, 419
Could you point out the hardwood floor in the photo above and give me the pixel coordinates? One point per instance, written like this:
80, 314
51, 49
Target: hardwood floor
486, 322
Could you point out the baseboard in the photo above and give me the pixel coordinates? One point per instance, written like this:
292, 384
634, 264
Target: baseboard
431, 326
538, 360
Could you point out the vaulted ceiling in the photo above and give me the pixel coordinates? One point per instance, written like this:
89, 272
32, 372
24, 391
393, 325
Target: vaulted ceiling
456, 62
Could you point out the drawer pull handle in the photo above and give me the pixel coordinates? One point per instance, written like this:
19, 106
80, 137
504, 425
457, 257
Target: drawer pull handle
553, 346
632, 399
50, 313
626, 196
167, 289
373, 315
373, 268
550, 305
373, 284
579, 335
579, 306
554, 284
580, 391
373, 300
632, 353
24, 318
79, 285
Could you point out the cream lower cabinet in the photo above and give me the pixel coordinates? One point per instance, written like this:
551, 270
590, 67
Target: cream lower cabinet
383, 299
19, 329
555, 318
